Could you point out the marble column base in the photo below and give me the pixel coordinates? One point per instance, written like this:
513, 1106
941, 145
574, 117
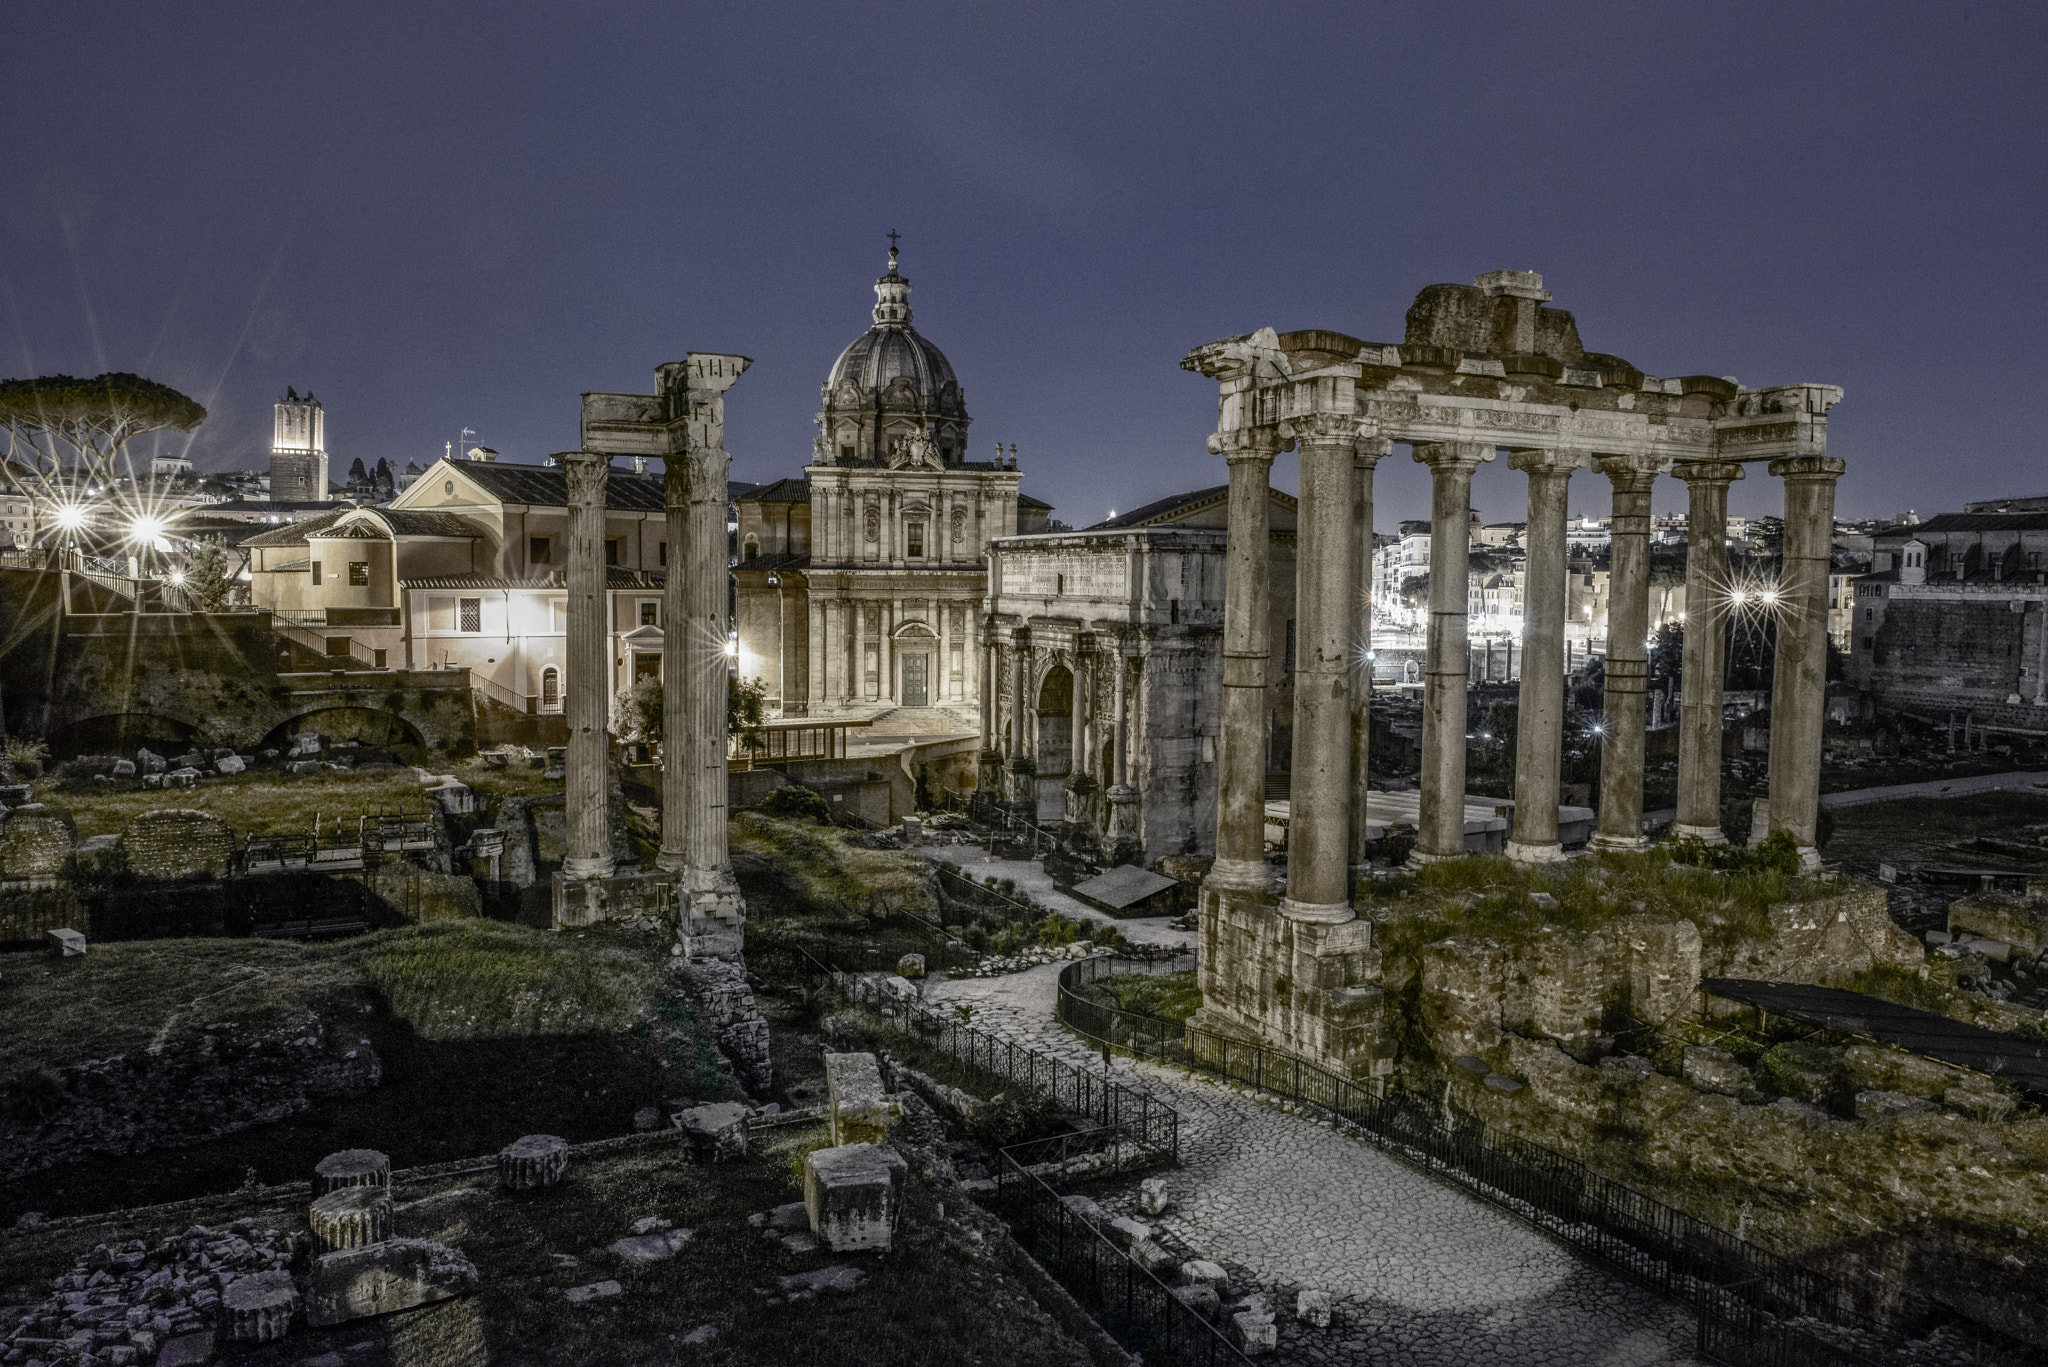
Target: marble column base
1327, 913
1419, 857
1711, 835
1240, 875
578, 869
1552, 853
1627, 843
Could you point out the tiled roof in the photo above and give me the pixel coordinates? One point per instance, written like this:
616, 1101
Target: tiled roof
774, 562
547, 486
615, 577
402, 521
420, 522
781, 491
294, 534
352, 531
1971, 522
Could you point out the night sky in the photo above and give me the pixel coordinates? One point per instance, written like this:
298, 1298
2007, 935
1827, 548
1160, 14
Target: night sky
437, 216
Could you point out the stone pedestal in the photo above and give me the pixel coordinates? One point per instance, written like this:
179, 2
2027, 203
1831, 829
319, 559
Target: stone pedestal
717, 1132
258, 1308
854, 1194
1124, 845
1306, 987
398, 1274
532, 1162
350, 1218
858, 1110
619, 896
351, 1168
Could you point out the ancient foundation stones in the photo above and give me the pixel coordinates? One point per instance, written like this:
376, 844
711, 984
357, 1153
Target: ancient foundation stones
1254, 1332
716, 1132
1152, 1196
1200, 1298
397, 1274
259, 1308
726, 1009
533, 1161
1153, 1257
853, 1194
910, 966
1202, 1272
351, 1217
1313, 1307
68, 944
351, 1168
178, 843
1715, 1070
33, 845
860, 1112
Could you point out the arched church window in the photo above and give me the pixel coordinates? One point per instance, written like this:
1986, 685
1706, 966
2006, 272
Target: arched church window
753, 547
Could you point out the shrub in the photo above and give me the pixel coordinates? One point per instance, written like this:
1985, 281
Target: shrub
795, 801
26, 758
1778, 853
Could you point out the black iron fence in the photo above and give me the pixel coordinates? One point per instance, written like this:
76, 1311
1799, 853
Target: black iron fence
1755, 1308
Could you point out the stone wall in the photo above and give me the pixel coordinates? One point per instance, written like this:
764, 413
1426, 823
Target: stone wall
193, 1084
724, 1003
33, 845
177, 842
1827, 940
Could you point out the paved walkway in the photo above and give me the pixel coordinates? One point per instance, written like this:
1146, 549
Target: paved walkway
1425, 1276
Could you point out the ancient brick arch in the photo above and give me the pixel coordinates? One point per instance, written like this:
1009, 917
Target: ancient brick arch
369, 725
122, 732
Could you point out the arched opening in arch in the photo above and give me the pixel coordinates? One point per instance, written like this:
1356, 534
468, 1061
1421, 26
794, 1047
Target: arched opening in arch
363, 725
122, 733
1055, 722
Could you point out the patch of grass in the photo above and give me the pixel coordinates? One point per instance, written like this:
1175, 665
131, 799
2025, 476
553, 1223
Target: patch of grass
258, 801
1878, 831
1934, 992
825, 867
486, 980
1172, 996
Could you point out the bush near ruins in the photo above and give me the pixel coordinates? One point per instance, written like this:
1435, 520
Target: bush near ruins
796, 802
483, 980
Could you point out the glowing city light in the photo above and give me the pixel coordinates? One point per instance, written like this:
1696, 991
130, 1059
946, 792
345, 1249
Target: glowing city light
146, 528
177, 576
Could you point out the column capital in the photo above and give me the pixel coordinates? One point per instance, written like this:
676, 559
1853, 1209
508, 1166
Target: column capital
1246, 443
1707, 471
584, 472
1465, 455
1547, 460
1370, 451
1809, 469
1629, 474
1322, 429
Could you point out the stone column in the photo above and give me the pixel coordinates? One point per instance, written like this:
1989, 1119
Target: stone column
1450, 465
1620, 824
1539, 727
1705, 661
1123, 798
814, 659
674, 855
1326, 625
1247, 650
1077, 745
1023, 789
857, 688
588, 768
1799, 681
1366, 456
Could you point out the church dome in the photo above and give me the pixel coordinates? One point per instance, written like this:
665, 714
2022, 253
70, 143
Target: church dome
890, 384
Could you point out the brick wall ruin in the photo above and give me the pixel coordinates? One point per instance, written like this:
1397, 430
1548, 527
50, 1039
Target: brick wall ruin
178, 843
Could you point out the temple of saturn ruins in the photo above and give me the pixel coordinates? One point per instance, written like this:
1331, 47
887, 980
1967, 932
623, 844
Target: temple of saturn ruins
683, 423
1480, 369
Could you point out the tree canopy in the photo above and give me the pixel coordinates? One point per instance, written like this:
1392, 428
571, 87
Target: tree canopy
59, 421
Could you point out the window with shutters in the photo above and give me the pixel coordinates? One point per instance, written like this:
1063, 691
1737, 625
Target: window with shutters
470, 616
359, 574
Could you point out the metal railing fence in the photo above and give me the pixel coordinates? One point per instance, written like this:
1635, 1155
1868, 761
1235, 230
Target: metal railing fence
1136, 1032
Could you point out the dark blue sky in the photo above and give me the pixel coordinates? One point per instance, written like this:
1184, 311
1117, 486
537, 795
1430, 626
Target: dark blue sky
439, 216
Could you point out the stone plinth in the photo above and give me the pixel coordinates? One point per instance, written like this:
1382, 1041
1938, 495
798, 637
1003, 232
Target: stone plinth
1305, 987
67, 944
351, 1217
716, 1132
533, 1161
858, 1109
351, 1168
618, 897
258, 1308
398, 1274
853, 1194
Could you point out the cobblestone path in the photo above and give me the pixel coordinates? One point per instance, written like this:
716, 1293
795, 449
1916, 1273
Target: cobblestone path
1424, 1275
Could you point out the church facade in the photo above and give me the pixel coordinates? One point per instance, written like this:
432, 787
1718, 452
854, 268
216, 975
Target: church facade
859, 585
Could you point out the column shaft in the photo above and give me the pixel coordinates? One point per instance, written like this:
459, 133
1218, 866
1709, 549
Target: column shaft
1539, 724
1704, 664
1326, 613
1120, 763
1450, 465
857, 687
675, 711
1370, 451
1620, 824
1799, 681
1077, 749
988, 702
705, 632
588, 767
1247, 650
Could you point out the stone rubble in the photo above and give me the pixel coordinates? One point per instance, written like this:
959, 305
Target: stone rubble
126, 1305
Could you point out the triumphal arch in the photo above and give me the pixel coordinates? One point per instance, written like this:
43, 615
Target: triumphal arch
1481, 369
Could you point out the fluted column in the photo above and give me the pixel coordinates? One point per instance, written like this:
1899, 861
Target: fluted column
1077, 747
588, 766
1620, 824
1326, 616
1366, 456
674, 855
1451, 464
1247, 650
1539, 724
705, 631
1799, 680
1706, 647
1023, 781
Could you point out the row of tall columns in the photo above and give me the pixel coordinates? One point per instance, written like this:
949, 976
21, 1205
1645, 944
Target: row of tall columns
1799, 680
587, 767
1441, 827
1247, 647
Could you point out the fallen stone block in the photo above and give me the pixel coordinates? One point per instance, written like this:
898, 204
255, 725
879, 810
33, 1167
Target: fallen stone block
231, 764
259, 1308
1202, 1272
305, 766
910, 966
1153, 1257
124, 768
351, 1168
858, 1110
1255, 1334
1126, 1231
838, 1278
533, 1161
1313, 1307
853, 1194
187, 1350
596, 1291
1152, 1197
716, 1132
650, 1248
351, 1217
305, 743
67, 944
703, 1336
398, 1274
1501, 1082
1200, 1298
150, 762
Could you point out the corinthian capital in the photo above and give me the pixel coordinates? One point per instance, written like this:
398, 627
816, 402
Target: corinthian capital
585, 473
1322, 429
1246, 443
